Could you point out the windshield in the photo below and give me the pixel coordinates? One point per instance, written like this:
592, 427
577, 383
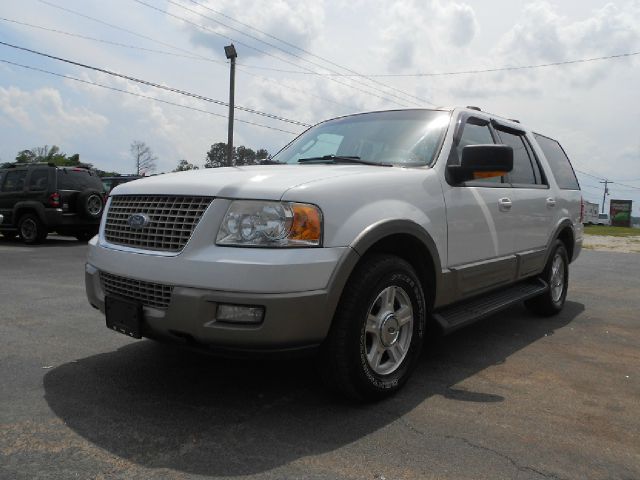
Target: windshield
403, 137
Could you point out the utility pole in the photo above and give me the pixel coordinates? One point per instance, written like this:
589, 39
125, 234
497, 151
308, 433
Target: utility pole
230, 52
606, 191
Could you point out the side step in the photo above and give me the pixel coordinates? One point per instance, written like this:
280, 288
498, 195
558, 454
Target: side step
468, 311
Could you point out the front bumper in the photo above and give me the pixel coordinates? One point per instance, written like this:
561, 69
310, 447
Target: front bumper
299, 299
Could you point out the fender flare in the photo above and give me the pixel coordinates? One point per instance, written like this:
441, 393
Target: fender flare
556, 234
364, 241
32, 206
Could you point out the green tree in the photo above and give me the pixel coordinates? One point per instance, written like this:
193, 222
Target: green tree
217, 156
244, 156
50, 154
183, 166
241, 155
262, 154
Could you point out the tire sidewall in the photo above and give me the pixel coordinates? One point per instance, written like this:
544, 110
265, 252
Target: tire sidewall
562, 251
83, 203
37, 225
400, 275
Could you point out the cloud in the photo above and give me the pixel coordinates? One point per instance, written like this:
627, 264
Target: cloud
297, 23
415, 30
542, 35
43, 111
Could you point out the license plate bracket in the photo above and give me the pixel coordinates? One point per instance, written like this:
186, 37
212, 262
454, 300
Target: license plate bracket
124, 316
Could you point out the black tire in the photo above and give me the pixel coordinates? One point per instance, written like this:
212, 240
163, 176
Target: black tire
552, 301
343, 361
32, 230
90, 204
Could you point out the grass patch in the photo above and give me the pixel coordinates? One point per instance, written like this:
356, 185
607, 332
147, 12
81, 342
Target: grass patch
611, 231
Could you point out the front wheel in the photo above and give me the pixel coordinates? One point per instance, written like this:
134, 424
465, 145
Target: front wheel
31, 229
377, 332
556, 274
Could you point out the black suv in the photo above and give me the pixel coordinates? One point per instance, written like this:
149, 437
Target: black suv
36, 199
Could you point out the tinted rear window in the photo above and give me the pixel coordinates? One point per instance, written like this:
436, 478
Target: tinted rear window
78, 180
559, 163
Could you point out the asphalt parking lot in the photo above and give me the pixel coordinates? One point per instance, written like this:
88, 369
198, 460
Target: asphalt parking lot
514, 396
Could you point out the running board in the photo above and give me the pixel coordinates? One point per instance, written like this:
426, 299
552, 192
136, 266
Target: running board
468, 311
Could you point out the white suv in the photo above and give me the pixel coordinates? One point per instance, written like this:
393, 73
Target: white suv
350, 241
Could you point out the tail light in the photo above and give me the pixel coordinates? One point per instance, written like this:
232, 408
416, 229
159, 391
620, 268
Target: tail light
581, 210
55, 200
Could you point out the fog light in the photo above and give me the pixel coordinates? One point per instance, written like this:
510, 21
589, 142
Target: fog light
239, 314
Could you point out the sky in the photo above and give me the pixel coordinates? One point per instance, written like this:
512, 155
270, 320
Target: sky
289, 53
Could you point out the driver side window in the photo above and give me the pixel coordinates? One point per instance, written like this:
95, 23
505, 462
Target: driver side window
474, 134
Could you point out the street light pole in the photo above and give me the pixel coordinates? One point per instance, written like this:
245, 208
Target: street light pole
230, 52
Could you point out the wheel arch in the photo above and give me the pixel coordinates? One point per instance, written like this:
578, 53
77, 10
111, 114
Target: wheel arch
564, 232
403, 238
23, 208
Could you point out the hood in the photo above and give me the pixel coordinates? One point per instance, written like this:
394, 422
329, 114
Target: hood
268, 182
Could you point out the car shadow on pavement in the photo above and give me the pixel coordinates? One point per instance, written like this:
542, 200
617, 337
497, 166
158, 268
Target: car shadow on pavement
163, 407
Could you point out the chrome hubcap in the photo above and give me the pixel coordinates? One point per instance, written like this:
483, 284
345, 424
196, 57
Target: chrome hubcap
557, 278
94, 205
389, 330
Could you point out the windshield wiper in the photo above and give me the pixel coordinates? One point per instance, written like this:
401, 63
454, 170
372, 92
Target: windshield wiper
341, 159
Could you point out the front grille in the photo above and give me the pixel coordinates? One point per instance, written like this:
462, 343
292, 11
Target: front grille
148, 294
171, 220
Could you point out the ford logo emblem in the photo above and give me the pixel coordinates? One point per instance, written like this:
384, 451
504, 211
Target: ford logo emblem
138, 221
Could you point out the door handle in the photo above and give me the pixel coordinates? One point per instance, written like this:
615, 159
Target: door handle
551, 202
504, 204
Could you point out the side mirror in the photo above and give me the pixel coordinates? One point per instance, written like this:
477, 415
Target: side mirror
482, 161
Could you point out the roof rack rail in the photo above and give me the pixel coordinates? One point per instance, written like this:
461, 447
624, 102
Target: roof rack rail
30, 164
514, 120
471, 107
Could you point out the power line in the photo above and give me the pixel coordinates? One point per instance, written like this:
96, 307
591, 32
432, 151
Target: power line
68, 77
357, 74
299, 57
156, 85
163, 52
590, 175
263, 52
476, 71
108, 42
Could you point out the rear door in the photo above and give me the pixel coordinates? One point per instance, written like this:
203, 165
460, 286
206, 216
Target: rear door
534, 205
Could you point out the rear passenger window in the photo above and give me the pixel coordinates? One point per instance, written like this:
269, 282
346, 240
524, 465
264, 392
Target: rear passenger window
559, 163
78, 180
522, 172
14, 181
39, 179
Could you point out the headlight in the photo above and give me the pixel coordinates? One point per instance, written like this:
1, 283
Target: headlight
271, 224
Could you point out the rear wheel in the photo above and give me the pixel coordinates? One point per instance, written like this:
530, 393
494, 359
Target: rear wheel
31, 229
556, 274
377, 332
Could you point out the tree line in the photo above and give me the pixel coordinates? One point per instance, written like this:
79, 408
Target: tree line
144, 160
